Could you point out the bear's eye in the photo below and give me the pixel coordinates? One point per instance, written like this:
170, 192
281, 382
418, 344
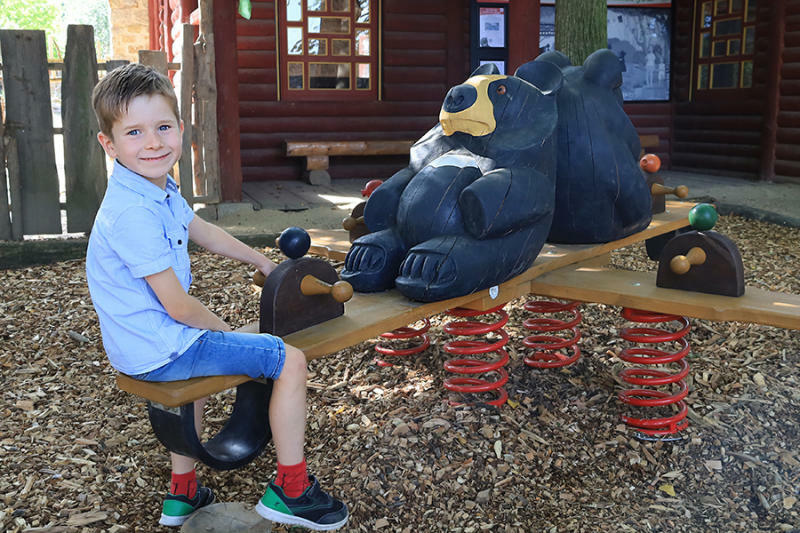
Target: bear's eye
501, 89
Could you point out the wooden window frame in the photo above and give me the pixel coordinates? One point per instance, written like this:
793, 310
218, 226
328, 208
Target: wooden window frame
711, 59
283, 58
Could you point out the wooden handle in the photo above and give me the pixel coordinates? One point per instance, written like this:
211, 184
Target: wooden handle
680, 264
259, 278
341, 291
681, 191
351, 223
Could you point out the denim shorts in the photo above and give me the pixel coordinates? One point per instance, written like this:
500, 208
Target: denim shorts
225, 353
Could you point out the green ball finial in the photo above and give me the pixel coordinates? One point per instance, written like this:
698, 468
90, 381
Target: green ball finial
702, 217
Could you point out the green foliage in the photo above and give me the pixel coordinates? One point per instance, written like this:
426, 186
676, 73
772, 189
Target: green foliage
33, 15
95, 13
53, 16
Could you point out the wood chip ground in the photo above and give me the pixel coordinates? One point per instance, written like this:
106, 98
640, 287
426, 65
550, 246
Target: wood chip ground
78, 455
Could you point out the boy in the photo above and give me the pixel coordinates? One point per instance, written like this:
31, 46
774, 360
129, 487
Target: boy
137, 267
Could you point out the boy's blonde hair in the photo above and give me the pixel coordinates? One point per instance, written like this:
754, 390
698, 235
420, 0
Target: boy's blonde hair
113, 94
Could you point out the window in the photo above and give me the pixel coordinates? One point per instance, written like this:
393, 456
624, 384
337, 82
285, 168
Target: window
328, 49
725, 45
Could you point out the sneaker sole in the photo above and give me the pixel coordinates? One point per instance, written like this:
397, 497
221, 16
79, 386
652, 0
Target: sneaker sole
276, 516
172, 521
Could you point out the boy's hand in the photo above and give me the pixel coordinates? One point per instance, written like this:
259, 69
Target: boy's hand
267, 267
260, 275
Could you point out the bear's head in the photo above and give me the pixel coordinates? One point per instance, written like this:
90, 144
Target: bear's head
491, 114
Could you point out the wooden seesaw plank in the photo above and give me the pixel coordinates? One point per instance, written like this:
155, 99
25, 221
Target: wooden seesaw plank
368, 315
638, 290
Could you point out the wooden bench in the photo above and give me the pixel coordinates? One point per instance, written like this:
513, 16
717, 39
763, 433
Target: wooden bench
317, 154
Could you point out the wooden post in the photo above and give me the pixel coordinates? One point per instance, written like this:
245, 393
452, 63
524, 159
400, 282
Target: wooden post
187, 81
111, 64
523, 32
154, 58
84, 159
769, 132
206, 87
15, 188
227, 83
5, 214
29, 119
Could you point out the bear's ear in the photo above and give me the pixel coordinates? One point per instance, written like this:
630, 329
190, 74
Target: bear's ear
603, 68
555, 57
543, 75
487, 69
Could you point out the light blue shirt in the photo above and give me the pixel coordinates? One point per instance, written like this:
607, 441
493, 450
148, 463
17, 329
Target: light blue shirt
139, 230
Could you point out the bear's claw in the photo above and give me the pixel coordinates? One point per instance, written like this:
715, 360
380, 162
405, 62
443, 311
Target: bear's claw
372, 261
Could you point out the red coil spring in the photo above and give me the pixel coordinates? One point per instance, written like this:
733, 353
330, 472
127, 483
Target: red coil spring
650, 377
472, 366
404, 334
548, 347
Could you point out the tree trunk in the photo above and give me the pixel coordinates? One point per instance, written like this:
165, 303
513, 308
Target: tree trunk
581, 28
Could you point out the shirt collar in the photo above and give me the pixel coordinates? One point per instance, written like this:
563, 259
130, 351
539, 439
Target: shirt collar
140, 185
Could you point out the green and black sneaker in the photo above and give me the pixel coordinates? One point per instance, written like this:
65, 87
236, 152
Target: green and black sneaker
178, 508
314, 509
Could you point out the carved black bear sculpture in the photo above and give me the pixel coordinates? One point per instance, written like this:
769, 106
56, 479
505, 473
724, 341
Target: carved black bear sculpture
600, 193
476, 202
474, 206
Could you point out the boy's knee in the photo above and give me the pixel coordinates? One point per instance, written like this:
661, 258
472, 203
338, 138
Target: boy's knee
295, 364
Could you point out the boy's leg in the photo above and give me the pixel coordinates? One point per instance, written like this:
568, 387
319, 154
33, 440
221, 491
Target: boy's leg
287, 408
185, 494
218, 353
182, 464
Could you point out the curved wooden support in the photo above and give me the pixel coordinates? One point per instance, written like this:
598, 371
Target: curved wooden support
286, 308
712, 264
242, 439
681, 264
681, 191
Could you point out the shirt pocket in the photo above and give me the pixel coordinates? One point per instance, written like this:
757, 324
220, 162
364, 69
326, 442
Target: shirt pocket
178, 242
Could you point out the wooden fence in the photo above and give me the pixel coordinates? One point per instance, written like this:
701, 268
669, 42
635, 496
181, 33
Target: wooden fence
29, 182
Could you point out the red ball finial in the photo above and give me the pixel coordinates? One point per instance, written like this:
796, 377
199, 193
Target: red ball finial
650, 163
370, 187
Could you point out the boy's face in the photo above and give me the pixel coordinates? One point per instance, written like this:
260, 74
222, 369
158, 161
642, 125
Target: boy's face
146, 139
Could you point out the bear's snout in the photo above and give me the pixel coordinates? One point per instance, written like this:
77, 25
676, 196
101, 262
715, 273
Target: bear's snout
459, 98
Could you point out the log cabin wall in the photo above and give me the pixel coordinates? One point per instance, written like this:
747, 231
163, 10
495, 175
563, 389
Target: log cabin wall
653, 118
718, 133
419, 64
787, 153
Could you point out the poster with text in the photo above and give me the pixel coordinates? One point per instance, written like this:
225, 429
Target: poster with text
492, 27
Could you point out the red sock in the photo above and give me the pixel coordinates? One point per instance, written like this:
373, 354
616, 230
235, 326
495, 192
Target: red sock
185, 484
293, 479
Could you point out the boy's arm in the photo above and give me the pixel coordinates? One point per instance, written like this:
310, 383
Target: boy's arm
217, 240
181, 306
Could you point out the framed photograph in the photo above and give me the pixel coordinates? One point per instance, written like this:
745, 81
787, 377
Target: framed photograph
640, 37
